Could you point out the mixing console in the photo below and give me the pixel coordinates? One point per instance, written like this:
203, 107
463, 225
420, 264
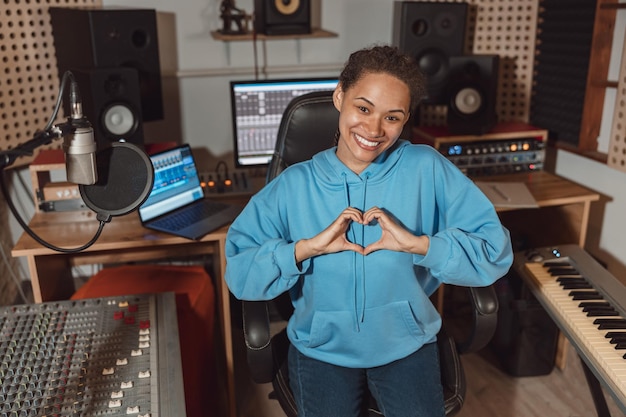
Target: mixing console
109, 356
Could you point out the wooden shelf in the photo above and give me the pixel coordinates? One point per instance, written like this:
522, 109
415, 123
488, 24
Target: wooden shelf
316, 33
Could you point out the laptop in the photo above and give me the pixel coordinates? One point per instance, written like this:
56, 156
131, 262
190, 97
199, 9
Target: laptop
177, 204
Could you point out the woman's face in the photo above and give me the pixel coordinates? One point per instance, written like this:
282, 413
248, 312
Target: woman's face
372, 114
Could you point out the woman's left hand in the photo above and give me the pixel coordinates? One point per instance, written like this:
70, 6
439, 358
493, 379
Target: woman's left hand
394, 237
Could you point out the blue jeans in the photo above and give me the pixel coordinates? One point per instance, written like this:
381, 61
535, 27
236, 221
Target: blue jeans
407, 387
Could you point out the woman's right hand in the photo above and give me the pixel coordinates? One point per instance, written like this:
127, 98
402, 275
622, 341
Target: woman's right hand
332, 239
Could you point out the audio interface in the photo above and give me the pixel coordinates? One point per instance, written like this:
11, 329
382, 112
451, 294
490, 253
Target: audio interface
508, 149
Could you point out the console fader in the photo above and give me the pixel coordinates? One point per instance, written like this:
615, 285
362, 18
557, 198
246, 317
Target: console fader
109, 356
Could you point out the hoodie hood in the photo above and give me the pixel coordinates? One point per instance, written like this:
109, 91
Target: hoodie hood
332, 172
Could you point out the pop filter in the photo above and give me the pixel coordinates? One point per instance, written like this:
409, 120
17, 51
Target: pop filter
125, 179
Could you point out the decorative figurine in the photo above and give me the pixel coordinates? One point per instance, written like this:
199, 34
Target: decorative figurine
231, 14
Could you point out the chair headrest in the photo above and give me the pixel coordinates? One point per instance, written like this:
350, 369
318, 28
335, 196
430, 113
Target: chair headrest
307, 127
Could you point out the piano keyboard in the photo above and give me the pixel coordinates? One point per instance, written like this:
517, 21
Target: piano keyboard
587, 303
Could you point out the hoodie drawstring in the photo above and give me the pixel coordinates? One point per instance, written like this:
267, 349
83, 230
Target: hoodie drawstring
352, 237
359, 290
363, 292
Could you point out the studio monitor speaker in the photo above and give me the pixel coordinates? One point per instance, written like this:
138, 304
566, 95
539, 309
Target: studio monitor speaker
431, 33
111, 103
282, 17
111, 38
472, 93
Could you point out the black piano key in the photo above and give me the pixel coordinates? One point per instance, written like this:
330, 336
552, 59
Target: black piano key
605, 324
602, 321
620, 346
569, 283
585, 295
584, 304
607, 311
616, 340
601, 306
602, 313
610, 335
563, 271
576, 286
563, 264
571, 279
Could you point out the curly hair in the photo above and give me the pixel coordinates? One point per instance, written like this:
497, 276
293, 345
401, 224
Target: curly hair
389, 60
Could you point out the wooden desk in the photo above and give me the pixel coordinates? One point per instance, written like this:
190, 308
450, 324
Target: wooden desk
562, 217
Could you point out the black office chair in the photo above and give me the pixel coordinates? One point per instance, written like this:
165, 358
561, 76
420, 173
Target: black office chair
308, 126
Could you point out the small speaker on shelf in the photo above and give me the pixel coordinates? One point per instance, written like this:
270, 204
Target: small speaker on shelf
109, 38
111, 102
282, 17
472, 92
431, 33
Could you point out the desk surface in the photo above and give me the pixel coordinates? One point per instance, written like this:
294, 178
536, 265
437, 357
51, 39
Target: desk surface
73, 229
549, 189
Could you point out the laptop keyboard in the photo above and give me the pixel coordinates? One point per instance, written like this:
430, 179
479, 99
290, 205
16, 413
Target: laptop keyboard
190, 215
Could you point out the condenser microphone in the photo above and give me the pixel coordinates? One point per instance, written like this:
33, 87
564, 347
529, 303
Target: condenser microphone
79, 145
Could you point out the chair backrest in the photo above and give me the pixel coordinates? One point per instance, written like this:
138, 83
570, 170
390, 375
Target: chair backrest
307, 127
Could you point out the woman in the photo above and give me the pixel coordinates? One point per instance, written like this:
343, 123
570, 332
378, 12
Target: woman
361, 235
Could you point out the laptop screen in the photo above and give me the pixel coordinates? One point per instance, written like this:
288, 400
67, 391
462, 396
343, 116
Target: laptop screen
176, 182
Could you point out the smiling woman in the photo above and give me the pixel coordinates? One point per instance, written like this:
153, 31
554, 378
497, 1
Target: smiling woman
370, 228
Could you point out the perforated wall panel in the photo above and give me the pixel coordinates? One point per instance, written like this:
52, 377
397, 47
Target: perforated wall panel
29, 81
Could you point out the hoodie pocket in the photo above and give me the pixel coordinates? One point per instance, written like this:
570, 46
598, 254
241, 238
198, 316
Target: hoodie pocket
381, 327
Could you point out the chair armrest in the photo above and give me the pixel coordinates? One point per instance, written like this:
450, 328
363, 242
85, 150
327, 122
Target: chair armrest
257, 336
485, 306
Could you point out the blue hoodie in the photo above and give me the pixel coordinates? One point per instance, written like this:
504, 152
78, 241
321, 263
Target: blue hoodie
365, 311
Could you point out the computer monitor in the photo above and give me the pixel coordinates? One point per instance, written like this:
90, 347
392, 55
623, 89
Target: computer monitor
257, 108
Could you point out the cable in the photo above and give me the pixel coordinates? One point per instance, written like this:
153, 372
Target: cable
67, 75
32, 234
254, 48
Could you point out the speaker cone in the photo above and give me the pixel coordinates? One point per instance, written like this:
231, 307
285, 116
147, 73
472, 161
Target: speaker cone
434, 64
468, 101
119, 120
472, 91
287, 7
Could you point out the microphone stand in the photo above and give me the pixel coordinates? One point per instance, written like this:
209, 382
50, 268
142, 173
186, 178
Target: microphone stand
43, 137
